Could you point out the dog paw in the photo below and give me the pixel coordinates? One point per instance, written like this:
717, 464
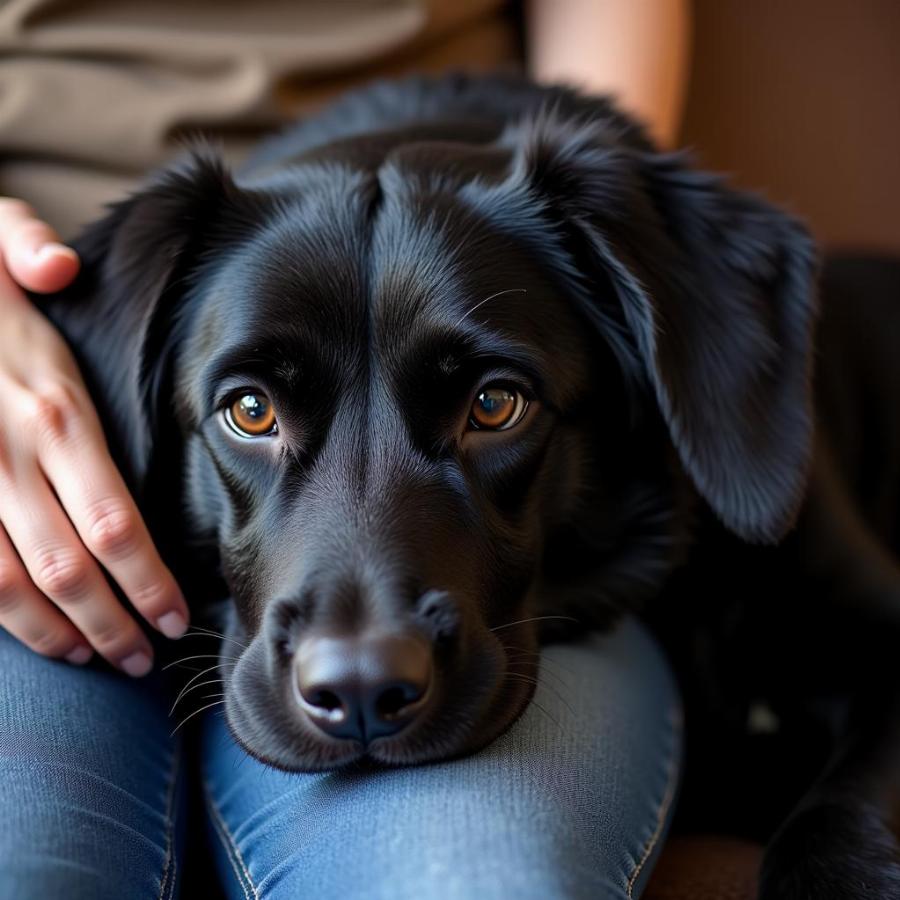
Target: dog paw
832, 852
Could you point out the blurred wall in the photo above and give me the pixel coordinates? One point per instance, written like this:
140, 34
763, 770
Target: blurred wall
801, 98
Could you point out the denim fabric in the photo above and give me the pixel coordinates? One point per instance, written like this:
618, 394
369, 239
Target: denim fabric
573, 802
89, 783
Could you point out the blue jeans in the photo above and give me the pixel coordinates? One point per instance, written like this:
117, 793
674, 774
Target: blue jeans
573, 801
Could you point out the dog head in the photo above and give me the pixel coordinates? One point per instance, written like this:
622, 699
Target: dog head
418, 394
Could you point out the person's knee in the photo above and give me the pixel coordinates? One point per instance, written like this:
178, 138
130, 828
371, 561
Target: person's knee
573, 801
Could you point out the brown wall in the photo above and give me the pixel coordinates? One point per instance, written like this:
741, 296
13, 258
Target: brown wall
801, 98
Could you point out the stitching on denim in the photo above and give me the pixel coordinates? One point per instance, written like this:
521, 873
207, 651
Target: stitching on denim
231, 848
173, 881
227, 842
169, 864
662, 812
170, 893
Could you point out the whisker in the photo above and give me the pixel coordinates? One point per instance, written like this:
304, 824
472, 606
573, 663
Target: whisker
207, 630
187, 688
486, 299
200, 656
545, 663
544, 711
522, 677
532, 619
191, 668
198, 631
550, 688
194, 713
242, 760
549, 673
523, 659
556, 664
525, 654
532, 659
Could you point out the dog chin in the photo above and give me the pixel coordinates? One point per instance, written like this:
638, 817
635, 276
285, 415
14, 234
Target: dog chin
431, 741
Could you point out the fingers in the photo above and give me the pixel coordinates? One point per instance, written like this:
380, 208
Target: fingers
31, 618
63, 571
73, 455
32, 251
64, 508
91, 517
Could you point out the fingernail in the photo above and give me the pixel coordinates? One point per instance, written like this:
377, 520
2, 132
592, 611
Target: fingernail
80, 655
54, 249
172, 624
137, 665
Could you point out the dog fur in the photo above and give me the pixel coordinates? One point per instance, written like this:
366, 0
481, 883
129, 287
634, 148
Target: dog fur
371, 267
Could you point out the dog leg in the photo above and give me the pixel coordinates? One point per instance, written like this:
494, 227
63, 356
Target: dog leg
841, 843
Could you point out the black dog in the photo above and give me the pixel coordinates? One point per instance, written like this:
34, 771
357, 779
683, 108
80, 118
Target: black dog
462, 354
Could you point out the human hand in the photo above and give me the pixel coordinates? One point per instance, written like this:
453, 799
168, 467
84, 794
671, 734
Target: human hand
64, 508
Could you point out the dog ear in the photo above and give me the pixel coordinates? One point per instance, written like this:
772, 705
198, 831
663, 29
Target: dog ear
121, 315
715, 290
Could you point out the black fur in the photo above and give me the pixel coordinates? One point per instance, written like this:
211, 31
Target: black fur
370, 269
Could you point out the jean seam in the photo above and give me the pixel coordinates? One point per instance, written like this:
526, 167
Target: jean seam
663, 809
232, 850
167, 883
166, 886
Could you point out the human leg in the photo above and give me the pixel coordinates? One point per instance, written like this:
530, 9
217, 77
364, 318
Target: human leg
89, 783
572, 802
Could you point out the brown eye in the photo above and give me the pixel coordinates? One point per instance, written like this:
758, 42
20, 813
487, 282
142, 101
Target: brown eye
252, 415
497, 408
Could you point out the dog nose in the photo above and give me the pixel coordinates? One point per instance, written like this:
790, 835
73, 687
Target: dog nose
363, 687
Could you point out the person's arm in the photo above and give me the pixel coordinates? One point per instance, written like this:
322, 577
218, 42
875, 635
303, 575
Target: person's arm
636, 50
64, 509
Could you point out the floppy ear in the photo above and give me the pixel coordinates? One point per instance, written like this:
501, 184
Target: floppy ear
715, 289
121, 314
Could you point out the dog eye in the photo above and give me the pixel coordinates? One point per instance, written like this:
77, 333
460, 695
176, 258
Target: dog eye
497, 408
252, 415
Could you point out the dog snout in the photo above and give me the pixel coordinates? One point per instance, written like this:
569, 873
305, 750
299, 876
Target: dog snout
363, 687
